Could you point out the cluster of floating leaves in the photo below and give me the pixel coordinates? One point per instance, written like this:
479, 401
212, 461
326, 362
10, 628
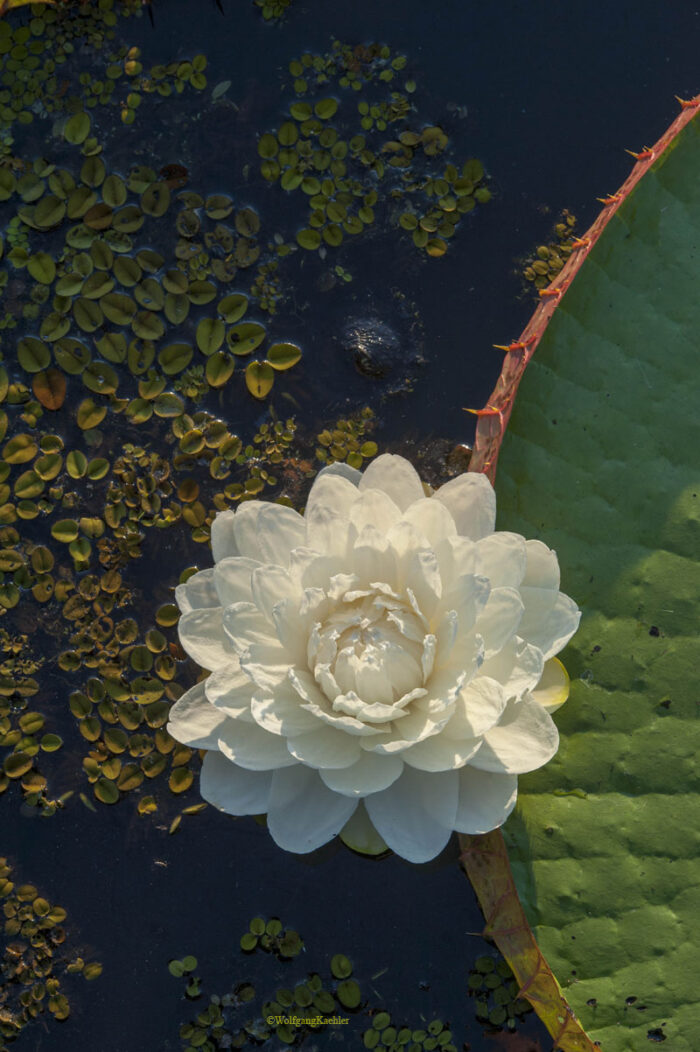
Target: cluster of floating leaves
291, 1013
546, 261
30, 984
272, 10
36, 63
493, 985
122, 711
101, 306
123, 707
24, 739
241, 1017
132, 674
387, 1036
272, 937
336, 166
101, 279
266, 287
346, 441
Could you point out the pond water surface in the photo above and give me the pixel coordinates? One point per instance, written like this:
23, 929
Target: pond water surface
546, 98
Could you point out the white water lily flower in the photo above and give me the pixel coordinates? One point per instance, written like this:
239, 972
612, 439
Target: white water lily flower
381, 666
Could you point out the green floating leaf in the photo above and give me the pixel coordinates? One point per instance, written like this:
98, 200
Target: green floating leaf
283, 355
349, 994
49, 212
600, 460
112, 346
42, 268
155, 200
77, 128
326, 108
65, 530
219, 369
246, 337
341, 966
232, 308
174, 358
114, 192
210, 335
267, 146
309, 238
247, 222
259, 378
33, 355
100, 378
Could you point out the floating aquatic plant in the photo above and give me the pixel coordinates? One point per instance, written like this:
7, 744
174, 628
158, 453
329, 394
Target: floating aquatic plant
542, 267
382, 666
34, 963
336, 166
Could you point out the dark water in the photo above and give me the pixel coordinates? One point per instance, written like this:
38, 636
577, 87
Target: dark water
547, 96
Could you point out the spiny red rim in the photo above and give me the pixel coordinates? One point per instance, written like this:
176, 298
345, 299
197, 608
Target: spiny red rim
493, 418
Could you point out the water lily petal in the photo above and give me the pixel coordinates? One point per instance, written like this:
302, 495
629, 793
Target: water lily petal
424, 581
223, 541
440, 753
270, 585
471, 501
328, 531
230, 691
292, 629
485, 799
394, 476
233, 789
245, 529
518, 667
414, 727
374, 508
325, 747
371, 773
548, 625
431, 519
467, 598
502, 557
198, 593
202, 636
478, 707
542, 566
281, 529
499, 620
359, 834
303, 813
416, 815
281, 712
553, 688
267, 664
332, 491
244, 624
194, 721
344, 470
249, 746
372, 559
232, 579
524, 739
457, 556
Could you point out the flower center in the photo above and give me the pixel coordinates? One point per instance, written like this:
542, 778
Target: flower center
372, 653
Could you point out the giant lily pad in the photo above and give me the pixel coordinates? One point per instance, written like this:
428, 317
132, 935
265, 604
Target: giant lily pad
600, 461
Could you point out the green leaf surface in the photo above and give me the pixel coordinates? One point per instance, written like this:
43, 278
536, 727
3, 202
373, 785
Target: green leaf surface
601, 461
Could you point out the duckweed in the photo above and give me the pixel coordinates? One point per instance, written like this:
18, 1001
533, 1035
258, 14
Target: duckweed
543, 265
492, 984
336, 166
35, 964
